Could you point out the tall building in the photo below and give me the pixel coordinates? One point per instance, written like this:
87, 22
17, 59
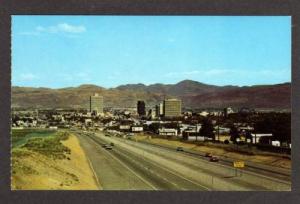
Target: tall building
172, 108
141, 108
96, 103
157, 114
161, 109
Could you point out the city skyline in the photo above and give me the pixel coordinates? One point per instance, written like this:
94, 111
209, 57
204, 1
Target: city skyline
149, 49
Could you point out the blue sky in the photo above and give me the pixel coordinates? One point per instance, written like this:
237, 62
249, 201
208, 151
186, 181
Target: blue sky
64, 51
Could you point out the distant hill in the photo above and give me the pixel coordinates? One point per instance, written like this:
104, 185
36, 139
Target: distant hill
193, 94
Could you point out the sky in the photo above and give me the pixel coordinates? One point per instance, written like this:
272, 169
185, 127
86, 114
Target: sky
67, 51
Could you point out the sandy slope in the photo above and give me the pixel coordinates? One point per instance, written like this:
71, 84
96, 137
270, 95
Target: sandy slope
38, 172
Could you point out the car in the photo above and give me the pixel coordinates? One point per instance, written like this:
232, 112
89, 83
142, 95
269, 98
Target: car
179, 149
108, 147
112, 144
214, 159
104, 145
208, 154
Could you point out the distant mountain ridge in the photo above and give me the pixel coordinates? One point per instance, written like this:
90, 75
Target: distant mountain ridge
192, 93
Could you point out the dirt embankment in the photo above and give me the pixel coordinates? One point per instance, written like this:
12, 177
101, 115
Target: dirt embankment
33, 170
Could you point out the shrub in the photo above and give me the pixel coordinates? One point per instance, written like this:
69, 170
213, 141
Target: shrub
49, 146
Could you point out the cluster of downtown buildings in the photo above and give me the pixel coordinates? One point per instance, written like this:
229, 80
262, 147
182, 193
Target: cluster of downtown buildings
168, 108
167, 115
97, 116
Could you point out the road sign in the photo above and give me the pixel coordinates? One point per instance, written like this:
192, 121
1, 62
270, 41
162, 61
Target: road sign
239, 164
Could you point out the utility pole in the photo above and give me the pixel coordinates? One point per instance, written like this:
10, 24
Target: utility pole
218, 126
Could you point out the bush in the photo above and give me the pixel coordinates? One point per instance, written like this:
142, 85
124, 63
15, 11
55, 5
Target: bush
49, 146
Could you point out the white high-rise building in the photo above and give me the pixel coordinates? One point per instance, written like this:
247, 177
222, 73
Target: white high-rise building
161, 109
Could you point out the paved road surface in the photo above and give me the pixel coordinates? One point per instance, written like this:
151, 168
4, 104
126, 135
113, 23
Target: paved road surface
138, 166
111, 173
267, 170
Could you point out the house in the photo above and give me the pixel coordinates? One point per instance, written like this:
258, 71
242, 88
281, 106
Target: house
124, 127
257, 138
276, 143
168, 131
137, 129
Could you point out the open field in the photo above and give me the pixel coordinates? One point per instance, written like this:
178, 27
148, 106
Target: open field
257, 157
54, 161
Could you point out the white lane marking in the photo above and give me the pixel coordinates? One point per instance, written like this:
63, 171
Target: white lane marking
130, 169
169, 172
95, 175
158, 175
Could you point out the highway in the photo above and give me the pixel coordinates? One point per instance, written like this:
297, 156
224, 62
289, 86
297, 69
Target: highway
133, 165
267, 170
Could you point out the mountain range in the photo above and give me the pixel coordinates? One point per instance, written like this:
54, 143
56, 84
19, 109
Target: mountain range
192, 93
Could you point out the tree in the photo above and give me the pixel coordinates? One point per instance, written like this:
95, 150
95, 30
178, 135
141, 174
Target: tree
153, 127
207, 128
226, 142
234, 134
248, 135
279, 124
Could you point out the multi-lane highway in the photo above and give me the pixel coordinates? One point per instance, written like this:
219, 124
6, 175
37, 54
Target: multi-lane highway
131, 165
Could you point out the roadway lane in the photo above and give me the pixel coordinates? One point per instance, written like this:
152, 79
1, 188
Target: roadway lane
110, 172
155, 175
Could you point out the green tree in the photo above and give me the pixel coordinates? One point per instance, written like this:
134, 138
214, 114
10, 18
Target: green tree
279, 124
234, 134
248, 135
207, 128
153, 127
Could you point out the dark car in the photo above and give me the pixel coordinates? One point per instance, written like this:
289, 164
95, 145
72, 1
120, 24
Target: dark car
214, 159
208, 154
104, 145
108, 147
179, 149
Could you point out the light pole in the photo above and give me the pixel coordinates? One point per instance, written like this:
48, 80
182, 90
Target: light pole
218, 126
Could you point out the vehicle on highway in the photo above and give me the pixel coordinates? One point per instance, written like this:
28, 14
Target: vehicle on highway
108, 147
104, 145
207, 154
214, 159
112, 144
179, 149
